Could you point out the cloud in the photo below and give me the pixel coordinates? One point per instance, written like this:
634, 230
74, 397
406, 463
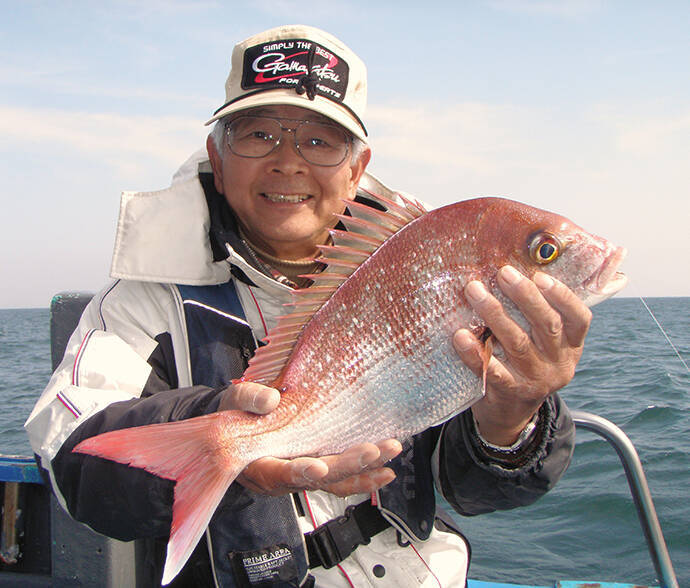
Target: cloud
125, 142
616, 172
561, 8
144, 11
34, 75
61, 85
481, 141
325, 9
468, 136
62, 77
463, 149
643, 137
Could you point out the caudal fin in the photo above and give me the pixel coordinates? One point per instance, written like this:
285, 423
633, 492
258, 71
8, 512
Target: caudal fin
179, 451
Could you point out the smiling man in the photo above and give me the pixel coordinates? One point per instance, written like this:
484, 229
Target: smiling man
202, 270
285, 171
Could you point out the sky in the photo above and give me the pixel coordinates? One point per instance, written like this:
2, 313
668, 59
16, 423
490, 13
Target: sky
579, 107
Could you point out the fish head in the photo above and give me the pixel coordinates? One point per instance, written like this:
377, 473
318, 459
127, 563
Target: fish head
535, 240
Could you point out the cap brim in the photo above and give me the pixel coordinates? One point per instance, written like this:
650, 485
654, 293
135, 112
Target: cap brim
289, 97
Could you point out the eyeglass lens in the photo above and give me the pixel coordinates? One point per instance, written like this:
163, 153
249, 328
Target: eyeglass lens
257, 136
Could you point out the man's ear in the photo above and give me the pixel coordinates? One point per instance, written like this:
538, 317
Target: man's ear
216, 164
357, 168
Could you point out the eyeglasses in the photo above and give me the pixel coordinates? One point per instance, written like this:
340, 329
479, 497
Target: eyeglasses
318, 143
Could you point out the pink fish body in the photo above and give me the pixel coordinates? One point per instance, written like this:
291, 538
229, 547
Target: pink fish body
367, 352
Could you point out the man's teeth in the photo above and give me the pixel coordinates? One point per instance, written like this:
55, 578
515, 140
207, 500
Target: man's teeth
286, 197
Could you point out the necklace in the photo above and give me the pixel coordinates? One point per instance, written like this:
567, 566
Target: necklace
285, 271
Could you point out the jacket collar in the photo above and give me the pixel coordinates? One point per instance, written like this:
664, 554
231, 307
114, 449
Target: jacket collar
186, 233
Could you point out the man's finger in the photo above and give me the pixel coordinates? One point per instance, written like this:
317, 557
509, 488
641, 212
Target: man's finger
388, 450
515, 342
274, 476
575, 315
469, 348
360, 458
351, 462
362, 483
546, 323
250, 397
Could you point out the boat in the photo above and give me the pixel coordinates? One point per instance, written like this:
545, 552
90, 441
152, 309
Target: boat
41, 545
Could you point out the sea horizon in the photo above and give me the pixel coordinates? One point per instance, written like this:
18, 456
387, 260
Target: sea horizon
609, 299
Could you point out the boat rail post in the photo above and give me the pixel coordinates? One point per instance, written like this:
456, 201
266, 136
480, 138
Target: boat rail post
637, 481
9, 546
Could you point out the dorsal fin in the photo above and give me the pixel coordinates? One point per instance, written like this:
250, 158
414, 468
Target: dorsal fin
409, 209
367, 228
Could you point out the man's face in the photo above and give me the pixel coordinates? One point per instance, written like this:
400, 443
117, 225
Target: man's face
284, 204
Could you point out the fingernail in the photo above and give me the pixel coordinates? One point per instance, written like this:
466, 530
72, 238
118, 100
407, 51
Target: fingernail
511, 275
464, 340
543, 281
308, 474
255, 407
476, 291
364, 462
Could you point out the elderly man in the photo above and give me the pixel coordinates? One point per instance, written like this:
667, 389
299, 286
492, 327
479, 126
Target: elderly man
201, 272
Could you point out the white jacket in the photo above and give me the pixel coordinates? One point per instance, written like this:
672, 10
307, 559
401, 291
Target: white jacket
108, 360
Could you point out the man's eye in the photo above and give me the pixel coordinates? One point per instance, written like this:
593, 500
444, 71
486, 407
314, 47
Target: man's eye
262, 135
317, 142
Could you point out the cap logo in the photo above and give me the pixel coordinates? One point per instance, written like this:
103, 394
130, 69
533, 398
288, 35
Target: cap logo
282, 64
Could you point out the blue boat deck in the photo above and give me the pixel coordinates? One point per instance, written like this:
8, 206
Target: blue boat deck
16, 468
558, 584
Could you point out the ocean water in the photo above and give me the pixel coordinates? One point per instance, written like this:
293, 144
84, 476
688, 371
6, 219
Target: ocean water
586, 528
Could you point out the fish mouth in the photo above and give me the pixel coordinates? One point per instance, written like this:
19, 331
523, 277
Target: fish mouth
607, 280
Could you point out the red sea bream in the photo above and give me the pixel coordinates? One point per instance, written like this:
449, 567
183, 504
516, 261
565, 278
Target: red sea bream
365, 353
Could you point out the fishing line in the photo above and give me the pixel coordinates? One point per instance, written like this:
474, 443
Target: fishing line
649, 310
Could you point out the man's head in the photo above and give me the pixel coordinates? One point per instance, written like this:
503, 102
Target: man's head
289, 143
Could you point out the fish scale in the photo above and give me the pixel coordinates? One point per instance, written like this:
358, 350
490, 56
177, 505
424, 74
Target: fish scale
413, 358
366, 353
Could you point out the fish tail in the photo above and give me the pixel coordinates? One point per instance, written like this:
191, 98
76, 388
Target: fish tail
179, 451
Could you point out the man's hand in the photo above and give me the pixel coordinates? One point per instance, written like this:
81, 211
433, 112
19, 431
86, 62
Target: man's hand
357, 470
536, 364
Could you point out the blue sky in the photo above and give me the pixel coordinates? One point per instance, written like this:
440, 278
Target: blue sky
581, 107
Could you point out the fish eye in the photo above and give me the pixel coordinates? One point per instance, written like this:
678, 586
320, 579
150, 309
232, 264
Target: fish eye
544, 248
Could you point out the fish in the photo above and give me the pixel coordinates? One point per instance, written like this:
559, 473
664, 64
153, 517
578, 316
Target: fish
365, 353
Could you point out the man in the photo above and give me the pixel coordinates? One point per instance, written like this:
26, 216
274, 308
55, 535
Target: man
202, 269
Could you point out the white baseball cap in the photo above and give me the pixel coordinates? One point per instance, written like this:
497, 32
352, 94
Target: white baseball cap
302, 66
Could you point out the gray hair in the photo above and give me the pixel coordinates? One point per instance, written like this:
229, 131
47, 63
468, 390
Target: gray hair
218, 136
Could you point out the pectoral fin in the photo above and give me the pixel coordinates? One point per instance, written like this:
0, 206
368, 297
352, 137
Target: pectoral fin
487, 337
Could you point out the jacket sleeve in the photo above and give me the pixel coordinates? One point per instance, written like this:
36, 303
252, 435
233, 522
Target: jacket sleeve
118, 371
475, 482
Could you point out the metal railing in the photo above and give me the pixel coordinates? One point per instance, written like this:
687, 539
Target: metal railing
638, 488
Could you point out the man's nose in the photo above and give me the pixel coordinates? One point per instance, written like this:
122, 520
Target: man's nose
285, 157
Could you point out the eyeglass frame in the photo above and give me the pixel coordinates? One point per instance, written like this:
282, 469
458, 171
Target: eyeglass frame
300, 121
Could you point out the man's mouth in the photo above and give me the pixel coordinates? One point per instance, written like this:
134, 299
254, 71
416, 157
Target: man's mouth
293, 198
